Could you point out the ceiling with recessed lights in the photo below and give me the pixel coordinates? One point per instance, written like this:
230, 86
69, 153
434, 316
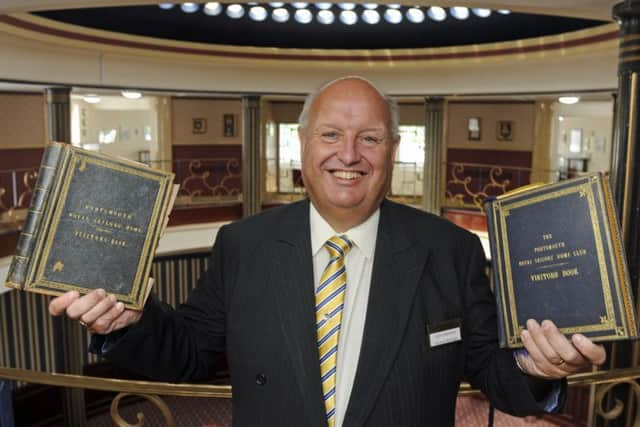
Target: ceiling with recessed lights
320, 25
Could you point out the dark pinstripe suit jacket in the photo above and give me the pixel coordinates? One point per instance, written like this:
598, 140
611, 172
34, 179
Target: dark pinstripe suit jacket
256, 302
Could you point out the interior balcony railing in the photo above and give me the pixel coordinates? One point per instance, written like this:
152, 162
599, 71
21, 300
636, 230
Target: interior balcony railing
468, 185
600, 385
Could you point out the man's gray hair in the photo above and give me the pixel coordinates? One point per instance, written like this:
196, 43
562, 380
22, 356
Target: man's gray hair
392, 105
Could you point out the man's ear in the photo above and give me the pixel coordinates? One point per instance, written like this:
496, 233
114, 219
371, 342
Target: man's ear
396, 143
302, 136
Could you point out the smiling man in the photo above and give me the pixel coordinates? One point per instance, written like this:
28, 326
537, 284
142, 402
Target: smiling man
344, 309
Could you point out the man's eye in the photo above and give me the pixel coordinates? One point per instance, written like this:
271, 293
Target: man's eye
330, 135
371, 139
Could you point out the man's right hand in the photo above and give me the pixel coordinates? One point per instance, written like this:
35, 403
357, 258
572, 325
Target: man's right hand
99, 312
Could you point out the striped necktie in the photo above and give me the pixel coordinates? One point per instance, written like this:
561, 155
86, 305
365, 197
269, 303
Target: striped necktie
329, 303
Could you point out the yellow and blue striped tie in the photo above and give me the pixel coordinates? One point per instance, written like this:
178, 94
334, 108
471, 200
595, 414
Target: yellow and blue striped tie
329, 303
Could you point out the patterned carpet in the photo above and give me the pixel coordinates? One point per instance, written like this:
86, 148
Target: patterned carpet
471, 411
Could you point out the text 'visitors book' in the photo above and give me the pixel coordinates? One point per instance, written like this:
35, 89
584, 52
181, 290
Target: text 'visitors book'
94, 222
557, 254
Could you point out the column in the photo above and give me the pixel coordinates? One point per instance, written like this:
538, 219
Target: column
541, 162
433, 155
625, 174
251, 170
69, 359
59, 113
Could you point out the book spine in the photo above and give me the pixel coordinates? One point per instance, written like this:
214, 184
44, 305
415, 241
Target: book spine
497, 291
46, 175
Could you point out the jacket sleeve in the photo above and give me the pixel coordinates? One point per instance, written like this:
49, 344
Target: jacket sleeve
488, 367
176, 345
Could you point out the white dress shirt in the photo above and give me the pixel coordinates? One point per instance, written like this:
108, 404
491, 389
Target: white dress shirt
358, 264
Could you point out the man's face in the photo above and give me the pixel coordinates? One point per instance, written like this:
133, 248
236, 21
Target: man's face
347, 152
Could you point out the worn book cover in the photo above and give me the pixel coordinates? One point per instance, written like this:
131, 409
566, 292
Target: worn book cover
557, 254
94, 222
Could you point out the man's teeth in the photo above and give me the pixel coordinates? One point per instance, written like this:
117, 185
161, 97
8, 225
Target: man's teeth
347, 174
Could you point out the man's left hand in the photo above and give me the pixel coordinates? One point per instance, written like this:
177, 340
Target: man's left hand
551, 355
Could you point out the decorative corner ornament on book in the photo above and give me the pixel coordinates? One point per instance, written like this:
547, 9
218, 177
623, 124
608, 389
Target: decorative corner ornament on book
557, 254
94, 222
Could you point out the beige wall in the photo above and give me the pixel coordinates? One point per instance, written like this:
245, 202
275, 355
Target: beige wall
22, 121
522, 116
213, 110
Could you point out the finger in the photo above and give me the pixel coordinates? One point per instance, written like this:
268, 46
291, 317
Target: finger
564, 348
102, 307
85, 303
104, 324
536, 363
58, 305
594, 353
541, 337
126, 318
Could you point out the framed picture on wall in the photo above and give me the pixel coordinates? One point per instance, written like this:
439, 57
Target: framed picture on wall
473, 126
199, 125
504, 130
229, 125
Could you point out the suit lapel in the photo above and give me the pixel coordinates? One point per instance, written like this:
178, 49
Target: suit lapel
398, 266
293, 272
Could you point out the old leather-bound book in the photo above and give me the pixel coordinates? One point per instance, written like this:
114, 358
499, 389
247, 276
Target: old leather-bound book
557, 254
94, 222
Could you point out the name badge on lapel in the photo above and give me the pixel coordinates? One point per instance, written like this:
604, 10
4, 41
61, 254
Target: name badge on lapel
444, 332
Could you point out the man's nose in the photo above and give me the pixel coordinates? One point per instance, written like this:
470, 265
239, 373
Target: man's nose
349, 151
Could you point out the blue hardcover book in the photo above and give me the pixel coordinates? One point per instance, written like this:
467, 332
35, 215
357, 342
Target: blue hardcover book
557, 254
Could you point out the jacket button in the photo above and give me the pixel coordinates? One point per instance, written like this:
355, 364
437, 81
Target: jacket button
261, 379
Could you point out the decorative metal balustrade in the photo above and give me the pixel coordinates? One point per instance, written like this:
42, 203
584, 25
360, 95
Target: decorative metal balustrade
16, 189
202, 181
602, 382
468, 185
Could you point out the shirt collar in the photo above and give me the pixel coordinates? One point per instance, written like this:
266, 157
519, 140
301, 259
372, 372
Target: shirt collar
362, 235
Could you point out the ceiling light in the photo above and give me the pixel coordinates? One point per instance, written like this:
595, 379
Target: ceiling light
348, 17
393, 16
276, 4
131, 94
235, 11
370, 5
459, 12
504, 11
258, 13
415, 15
189, 7
393, 6
569, 100
212, 8
437, 13
481, 13
325, 17
280, 15
166, 6
370, 16
561, 118
91, 98
303, 16
323, 6
347, 6
299, 5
